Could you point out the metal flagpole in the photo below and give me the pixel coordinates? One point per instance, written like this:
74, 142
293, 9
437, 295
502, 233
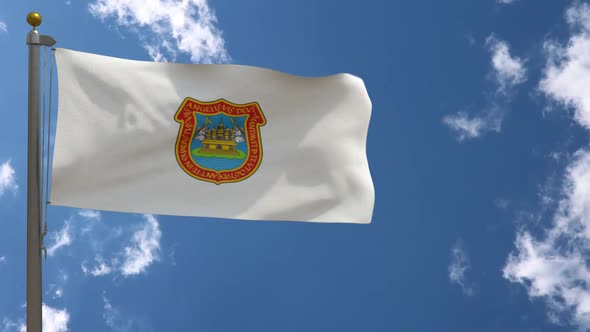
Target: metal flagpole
35, 41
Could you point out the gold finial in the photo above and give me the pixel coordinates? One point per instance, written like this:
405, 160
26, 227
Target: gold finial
34, 19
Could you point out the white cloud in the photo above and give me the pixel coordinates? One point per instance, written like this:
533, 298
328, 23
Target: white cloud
54, 320
144, 248
470, 39
9, 325
63, 276
506, 2
168, 27
90, 217
7, 177
3, 27
554, 266
502, 203
459, 266
155, 53
566, 77
113, 318
58, 293
90, 214
466, 127
507, 72
120, 322
100, 269
2, 259
62, 238
56, 289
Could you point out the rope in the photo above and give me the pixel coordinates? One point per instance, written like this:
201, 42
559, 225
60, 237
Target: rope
42, 134
46, 123
46, 200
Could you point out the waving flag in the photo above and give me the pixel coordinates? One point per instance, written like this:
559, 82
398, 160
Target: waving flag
222, 141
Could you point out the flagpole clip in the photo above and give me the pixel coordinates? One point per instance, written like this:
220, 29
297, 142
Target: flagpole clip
43, 248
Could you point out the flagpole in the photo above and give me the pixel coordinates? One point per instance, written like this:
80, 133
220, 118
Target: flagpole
34, 295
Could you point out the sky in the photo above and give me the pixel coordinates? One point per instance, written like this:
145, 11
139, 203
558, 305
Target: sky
478, 148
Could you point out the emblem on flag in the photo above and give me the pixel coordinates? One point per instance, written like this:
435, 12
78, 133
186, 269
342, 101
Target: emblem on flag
219, 141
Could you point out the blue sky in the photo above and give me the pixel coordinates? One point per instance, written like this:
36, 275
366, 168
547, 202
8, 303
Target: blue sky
478, 148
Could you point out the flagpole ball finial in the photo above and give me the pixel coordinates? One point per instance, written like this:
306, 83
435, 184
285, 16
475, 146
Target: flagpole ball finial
34, 19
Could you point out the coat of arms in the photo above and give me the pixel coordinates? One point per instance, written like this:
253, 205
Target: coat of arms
219, 141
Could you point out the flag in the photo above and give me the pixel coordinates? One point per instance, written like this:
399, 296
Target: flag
224, 141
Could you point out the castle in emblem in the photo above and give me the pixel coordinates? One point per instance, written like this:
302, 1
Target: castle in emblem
220, 141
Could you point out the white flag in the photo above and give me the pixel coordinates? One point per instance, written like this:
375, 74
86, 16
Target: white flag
223, 141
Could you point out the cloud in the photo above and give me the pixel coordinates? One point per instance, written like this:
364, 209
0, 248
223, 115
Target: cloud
502, 203
58, 293
168, 27
566, 79
112, 317
459, 266
144, 248
506, 2
470, 39
466, 127
554, 266
62, 238
100, 269
9, 325
90, 214
63, 275
2, 259
91, 217
507, 72
3, 27
54, 320
56, 289
116, 322
7, 177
